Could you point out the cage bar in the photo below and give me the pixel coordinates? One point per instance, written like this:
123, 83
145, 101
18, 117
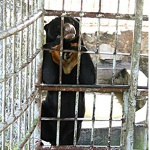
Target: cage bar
93, 120
130, 118
96, 74
94, 15
4, 75
77, 80
20, 73
113, 76
17, 78
146, 128
91, 52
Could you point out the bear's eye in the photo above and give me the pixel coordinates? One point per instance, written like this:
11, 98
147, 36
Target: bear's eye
58, 26
72, 22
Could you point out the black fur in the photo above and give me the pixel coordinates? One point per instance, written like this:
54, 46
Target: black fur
50, 75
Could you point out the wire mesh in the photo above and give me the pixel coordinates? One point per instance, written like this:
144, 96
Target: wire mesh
18, 94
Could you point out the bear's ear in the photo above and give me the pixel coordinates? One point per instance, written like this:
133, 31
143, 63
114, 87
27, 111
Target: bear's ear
46, 27
77, 19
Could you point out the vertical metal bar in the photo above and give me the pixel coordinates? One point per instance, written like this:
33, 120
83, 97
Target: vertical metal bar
39, 44
134, 74
30, 72
4, 75
93, 120
9, 18
26, 70
20, 73
27, 9
30, 80
25, 82
110, 120
113, 77
13, 71
32, 46
31, 119
58, 116
60, 77
36, 107
146, 128
96, 79
76, 116
34, 42
78, 72
124, 120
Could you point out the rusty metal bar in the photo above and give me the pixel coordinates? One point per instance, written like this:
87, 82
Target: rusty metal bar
81, 88
124, 119
22, 66
97, 52
88, 88
21, 26
93, 120
79, 119
18, 113
113, 76
81, 147
34, 56
28, 135
94, 15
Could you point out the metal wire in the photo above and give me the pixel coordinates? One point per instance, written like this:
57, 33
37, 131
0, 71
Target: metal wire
4, 75
113, 78
19, 52
77, 80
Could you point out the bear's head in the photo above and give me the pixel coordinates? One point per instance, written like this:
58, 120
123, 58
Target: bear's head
70, 29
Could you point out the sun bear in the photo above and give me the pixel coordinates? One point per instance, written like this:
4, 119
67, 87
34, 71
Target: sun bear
50, 75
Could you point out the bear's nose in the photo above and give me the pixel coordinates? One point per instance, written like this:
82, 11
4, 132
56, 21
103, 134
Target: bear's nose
69, 31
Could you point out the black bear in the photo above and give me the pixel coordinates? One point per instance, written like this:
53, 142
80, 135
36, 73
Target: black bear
50, 75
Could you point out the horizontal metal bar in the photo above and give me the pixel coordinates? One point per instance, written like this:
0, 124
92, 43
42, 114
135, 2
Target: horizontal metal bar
22, 67
89, 119
79, 119
103, 88
21, 26
141, 125
19, 112
93, 15
83, 147
92, 52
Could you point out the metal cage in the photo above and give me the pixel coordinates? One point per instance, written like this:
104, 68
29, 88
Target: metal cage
21, 39
21, 90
